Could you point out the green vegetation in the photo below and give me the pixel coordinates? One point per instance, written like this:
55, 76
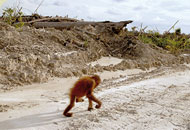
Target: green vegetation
173, 42
85, 43
13, 16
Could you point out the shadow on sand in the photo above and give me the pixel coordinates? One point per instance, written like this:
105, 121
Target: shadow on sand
32, 121
37, 120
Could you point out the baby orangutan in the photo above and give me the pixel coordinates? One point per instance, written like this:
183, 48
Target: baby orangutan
83, 87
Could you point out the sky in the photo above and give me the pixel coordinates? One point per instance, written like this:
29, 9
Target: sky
158, 15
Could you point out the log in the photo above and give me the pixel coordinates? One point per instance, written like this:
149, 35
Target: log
53, 19
68, 25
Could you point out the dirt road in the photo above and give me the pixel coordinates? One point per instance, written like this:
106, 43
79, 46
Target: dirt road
156, 99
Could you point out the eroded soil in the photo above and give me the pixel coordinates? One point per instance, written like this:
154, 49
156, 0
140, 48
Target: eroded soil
30, 55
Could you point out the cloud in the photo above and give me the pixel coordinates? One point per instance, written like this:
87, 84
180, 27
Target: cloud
119, 0
158, 19
112, 12
177, 6
60, 3
160, 13
139, 8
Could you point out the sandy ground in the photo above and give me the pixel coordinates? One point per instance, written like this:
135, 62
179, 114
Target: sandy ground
157, 99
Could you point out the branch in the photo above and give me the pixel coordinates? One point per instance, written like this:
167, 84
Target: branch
173, 25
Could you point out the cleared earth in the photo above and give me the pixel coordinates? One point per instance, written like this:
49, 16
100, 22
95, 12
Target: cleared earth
158, 98
144, 86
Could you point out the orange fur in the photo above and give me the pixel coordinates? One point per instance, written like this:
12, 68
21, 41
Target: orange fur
83, 87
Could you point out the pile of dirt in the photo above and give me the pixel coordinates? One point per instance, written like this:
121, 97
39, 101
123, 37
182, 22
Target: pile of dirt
34, 55
138, 54
29, 55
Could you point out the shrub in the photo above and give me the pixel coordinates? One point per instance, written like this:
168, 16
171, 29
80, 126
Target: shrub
173, 42
13, 16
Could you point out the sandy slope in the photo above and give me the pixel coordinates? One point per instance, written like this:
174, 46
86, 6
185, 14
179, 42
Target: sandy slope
159, 99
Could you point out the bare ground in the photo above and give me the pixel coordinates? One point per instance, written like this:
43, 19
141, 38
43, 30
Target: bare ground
30, 55
154, 99
144, 87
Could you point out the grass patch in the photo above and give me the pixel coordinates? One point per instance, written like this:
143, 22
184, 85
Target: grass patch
13, 16
174, 42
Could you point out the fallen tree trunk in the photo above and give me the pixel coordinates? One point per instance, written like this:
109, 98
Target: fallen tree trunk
59, 19
68, 25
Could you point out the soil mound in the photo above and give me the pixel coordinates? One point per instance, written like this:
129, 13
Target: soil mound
30, 55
